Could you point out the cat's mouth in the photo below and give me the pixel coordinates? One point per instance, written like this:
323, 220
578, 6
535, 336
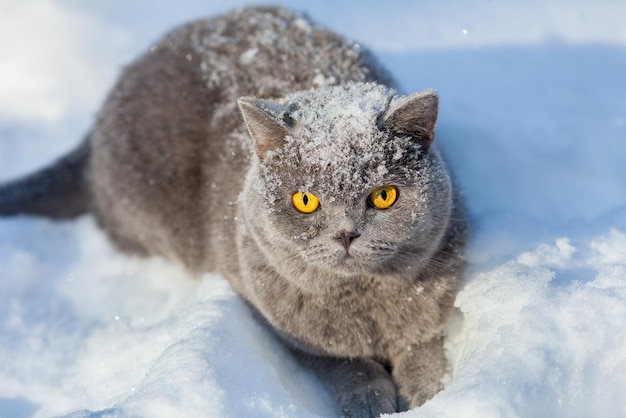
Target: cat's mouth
347, 258
350, 263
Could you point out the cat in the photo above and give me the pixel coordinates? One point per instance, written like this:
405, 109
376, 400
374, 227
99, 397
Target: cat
262, 147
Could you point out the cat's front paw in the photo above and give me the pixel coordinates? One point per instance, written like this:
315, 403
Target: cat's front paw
368, 400
418, 373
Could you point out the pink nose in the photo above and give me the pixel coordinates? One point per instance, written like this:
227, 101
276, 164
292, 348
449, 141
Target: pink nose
346, 238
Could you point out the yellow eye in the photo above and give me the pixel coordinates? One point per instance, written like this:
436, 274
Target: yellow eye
305, 202
383, 197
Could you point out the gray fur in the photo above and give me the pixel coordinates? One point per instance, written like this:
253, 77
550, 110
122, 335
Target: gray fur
58, 191
361, 295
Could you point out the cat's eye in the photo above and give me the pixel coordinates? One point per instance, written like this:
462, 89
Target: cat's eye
383, 197
305, 202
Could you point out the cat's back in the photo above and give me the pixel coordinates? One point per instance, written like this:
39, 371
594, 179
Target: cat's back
270, 52
169, 148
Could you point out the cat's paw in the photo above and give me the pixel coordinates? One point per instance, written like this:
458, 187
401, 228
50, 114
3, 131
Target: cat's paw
417, 397
418, 373
368, 400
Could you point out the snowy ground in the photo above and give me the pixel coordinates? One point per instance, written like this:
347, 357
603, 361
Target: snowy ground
533, 120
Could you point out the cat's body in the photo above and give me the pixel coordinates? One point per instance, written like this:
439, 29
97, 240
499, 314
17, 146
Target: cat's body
170, 168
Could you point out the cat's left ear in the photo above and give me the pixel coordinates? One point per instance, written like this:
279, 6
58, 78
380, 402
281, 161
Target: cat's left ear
263, 119
414, 116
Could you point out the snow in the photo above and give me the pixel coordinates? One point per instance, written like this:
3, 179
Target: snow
532, 119
336, 123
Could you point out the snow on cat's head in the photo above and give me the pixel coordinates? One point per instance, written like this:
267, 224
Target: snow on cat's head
346, 176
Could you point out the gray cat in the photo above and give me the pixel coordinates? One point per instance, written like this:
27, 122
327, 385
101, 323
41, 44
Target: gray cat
326, 205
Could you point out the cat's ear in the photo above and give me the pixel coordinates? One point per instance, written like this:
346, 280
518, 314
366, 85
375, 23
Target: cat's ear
263, 119
414, 116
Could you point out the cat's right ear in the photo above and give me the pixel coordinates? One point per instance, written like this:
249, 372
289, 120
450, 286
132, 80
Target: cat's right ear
262, 120
415, 116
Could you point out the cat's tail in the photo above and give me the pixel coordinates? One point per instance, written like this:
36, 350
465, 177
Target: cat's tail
58, 191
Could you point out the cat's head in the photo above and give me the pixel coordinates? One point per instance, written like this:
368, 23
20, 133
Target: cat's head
346, 180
